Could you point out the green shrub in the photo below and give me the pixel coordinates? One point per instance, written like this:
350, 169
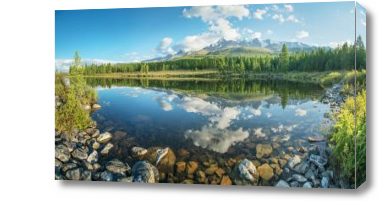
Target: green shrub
343, 138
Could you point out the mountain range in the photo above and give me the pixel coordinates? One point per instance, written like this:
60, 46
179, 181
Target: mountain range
241, 48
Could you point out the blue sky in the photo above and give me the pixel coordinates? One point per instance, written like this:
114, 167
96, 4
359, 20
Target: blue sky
135, 34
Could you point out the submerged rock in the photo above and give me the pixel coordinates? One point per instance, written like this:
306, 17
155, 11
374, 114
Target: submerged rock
282, 183
246, 170
96, 106
180, 167
74, 174
226, 181
294, 161
104, 137
299, 178
318, 160
80, 154
106, 176
118, 167
325, 182
144, 172
160, 154
307, 185
107, 148
93, 157
265, 171
62, 153
138, 151
316, 138
263, 150
164, 158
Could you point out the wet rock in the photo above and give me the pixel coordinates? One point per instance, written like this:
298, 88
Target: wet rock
307, 185
96, 106
187, 181
282, 183
310, 175
125, 179
74, 174
96, 166
58, 163
183, 153
263, 150
226, 181
231, 162
86, 176
201, 177
138, 151
282, 162
118, 135
180, 167
247, 169
118, 167
106, 176
95, 145
80, 154
62, 153
294, 184
104, 137
192, 167
68, 166
294, 161
106, 149
220, 172
211, 170
318, 160
301, 168
144, 172
299, 178
325, 182
315, 138
93, 157
95, 134
265, 171
88, 165
165, 159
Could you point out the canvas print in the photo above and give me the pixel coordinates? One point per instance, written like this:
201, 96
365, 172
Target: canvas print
249, 95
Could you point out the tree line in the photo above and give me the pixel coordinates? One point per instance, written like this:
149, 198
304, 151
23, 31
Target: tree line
339, 58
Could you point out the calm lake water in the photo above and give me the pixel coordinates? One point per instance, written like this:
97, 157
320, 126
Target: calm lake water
211, 118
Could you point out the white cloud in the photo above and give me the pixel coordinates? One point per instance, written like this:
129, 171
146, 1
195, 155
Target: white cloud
269, 32
289, 8
165, 43
259, 14
302, 34
259, 133
238, 11
164, 46
206, 13
197, 42
216, 139
279, 17
256, 112
219, 25
257, 35
213, 13
224, 29
292, 18
300, 112
223, 120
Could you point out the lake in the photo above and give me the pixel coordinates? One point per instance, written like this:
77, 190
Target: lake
211, 119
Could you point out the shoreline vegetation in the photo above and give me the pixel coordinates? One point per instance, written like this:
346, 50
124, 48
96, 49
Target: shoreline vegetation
78, 141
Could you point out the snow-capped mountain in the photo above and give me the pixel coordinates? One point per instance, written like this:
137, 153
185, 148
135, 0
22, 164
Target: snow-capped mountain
223, 44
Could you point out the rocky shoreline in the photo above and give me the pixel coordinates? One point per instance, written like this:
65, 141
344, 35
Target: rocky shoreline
94, 156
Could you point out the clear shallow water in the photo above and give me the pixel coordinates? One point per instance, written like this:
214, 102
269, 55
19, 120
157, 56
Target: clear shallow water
210, 118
